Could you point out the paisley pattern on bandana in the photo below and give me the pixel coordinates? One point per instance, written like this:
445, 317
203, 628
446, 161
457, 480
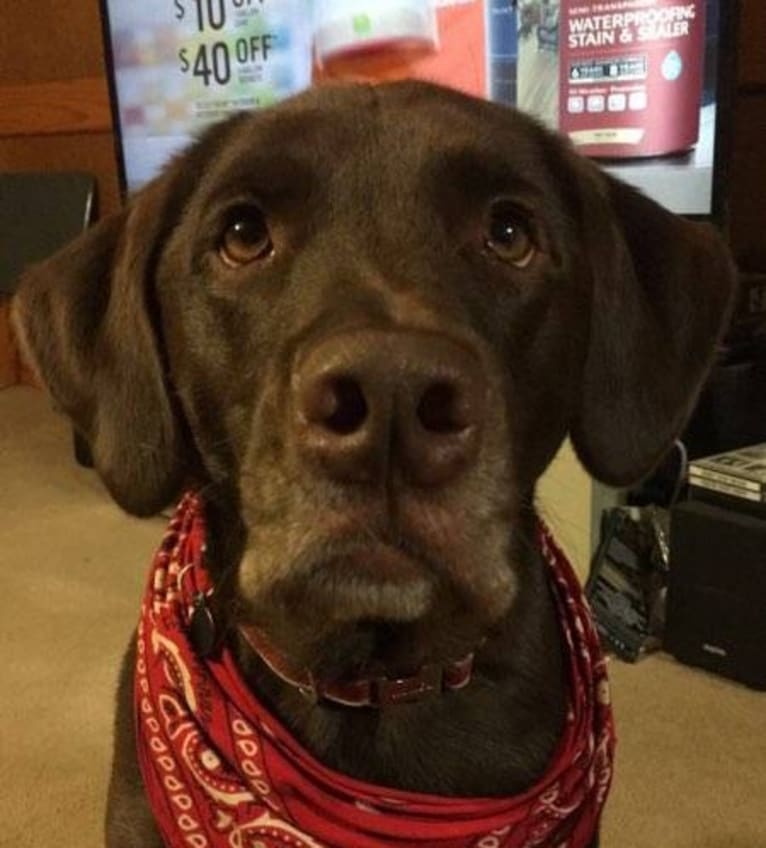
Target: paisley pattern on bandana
221, 771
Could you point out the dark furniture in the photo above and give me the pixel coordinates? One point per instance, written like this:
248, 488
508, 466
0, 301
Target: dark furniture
39, 213
716, 613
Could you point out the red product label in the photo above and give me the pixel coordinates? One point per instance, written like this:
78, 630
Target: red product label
631, 75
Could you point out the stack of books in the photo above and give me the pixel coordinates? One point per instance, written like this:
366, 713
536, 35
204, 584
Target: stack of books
736, 479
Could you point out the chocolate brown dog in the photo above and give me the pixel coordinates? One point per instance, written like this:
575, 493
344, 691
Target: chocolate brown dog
360, 324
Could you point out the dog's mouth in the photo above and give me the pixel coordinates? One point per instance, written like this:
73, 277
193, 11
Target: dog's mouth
353, 582
360, 590
353, 608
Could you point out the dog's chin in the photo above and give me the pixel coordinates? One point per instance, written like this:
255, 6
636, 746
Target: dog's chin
375, 610
377, 582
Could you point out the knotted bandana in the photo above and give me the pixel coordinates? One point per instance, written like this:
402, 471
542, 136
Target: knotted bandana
221, 771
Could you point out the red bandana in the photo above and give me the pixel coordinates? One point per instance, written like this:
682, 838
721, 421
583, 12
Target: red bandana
222, 772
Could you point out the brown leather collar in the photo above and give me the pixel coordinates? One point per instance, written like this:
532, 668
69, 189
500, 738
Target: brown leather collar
366, 692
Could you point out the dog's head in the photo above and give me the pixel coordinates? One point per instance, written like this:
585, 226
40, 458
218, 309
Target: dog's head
368, 317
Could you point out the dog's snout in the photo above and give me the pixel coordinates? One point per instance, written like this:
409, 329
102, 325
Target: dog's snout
367, 401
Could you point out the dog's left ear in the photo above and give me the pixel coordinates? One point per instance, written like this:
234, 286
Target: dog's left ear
663, 292
84, 320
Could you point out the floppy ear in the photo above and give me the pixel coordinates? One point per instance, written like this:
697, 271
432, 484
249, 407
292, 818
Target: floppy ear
86, 322
663, 292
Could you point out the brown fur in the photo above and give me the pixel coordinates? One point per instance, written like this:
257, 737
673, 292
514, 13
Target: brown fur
181, 371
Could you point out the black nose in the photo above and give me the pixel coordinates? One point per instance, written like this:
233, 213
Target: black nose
366, 400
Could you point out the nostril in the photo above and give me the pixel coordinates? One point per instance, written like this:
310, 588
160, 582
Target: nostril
439, 409
346, 409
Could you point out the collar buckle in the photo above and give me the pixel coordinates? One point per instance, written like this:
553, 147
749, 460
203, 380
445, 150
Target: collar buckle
403, 690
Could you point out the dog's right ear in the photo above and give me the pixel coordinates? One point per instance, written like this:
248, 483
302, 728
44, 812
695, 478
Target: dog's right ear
663, 291
87, 323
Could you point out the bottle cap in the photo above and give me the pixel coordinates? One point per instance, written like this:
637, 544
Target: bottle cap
356, 26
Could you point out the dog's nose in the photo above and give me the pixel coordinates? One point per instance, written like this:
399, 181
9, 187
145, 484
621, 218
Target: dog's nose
365, 401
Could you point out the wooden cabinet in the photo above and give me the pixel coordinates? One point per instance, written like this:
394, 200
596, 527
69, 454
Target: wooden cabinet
747, 172
54, 109
54, 104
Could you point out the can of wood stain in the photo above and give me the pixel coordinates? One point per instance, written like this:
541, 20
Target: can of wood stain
631, 75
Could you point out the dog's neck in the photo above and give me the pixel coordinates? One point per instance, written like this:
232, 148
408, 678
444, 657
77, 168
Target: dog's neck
493, 738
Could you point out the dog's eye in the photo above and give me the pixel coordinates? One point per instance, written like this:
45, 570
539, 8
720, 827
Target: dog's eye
508, 235
246, 237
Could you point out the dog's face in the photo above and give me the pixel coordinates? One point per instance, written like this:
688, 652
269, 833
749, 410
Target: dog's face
370, 316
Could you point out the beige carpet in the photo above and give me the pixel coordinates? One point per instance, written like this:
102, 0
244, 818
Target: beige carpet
691, 771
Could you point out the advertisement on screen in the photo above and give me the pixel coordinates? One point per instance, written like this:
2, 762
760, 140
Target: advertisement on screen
180, 65
631, 82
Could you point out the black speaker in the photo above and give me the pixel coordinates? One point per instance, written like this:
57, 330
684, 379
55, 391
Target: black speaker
716, 612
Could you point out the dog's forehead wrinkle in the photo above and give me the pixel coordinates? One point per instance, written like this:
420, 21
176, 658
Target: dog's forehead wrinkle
455, 131
506, 165
398, 301
281, 150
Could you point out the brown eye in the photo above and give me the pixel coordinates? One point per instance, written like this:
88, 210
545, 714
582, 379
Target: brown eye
508, 235
246, 237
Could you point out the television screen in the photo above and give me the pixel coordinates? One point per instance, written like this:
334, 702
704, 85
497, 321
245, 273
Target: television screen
632, 83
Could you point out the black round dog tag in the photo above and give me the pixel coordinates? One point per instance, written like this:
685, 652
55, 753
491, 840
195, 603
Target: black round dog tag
202, 630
